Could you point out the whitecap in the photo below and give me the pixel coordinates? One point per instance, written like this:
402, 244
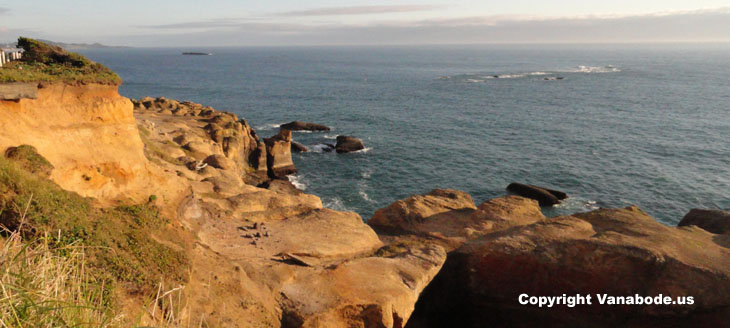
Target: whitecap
334, 203
320, 148
364, 195
327, 136
511, 76
595, 69
364, 150
270, 126
296, 180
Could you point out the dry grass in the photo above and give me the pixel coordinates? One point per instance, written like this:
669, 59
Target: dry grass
43, 286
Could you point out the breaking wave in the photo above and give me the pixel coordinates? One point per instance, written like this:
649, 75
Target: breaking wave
296, 180
482, 77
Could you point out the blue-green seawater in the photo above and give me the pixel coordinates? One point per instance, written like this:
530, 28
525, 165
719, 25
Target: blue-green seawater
628, 124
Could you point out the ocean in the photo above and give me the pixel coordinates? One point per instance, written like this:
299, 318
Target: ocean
611, 125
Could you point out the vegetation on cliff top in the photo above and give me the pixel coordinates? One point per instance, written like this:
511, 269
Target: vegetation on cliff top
42, 62
120, 252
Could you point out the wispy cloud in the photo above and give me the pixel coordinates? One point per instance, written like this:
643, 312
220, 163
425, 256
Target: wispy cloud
702, 25
4, 10
495, 20
218, 23
358, 10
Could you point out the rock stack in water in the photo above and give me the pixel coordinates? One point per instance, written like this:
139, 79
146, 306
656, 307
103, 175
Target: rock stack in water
278, 154
545, 196
346, 144
304, 126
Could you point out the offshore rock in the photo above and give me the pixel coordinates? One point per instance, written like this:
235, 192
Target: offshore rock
304, 126
346, 144
715, 221
546, 197
278, 152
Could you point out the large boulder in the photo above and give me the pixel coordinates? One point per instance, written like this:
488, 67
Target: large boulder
346, 144
715, 221
615, 252
278, 155
421, 214
450, 216
375, 291
220, 162
546, 197
304, 126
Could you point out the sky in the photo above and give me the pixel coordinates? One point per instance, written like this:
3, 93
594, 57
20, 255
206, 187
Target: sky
347, 22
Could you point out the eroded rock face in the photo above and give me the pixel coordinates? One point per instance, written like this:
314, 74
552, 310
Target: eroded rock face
365, 292
619, 252
346, 144
278, 152
413, 214
715, 221
201, 143
326, 268
89, 134
450, 217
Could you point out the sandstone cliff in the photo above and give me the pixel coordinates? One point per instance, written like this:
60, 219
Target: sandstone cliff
89, 134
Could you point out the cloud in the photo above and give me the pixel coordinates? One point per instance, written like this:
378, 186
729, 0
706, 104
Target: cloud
219, 23
4, 10
358, 10
692, 26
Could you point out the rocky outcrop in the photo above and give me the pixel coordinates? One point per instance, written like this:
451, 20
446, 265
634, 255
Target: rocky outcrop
383, 295
304, 126
346, 144
327, 267
278, 155
715, 221
546, 197
617, 252
450, 217
199, 142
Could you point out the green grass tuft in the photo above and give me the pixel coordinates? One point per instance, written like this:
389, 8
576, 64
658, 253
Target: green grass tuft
120, 245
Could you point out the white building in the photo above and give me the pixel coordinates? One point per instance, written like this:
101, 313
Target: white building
10, 54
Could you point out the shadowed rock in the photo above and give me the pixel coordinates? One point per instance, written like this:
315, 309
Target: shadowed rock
346, 144
304, 126
546, 197
278, 152
618, 252
715, 221
298, 148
